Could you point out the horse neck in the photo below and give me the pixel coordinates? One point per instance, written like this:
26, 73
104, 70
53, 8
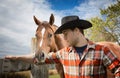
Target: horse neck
60, 42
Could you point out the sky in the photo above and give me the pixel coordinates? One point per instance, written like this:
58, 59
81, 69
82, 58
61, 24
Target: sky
17, 26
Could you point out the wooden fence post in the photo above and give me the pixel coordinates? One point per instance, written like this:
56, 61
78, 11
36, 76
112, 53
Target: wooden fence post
38, 71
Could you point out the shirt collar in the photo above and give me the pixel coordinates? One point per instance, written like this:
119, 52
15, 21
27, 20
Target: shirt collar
90, 45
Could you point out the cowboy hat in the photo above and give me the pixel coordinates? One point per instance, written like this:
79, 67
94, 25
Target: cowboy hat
71, 22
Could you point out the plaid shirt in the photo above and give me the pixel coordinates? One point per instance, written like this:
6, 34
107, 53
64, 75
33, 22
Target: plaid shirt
92, 64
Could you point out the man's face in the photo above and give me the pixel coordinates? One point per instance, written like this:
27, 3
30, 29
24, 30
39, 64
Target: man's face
70, 36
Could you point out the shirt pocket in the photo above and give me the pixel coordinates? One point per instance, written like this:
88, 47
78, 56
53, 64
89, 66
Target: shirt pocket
90, 67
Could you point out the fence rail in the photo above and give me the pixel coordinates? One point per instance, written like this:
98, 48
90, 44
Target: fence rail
7, 65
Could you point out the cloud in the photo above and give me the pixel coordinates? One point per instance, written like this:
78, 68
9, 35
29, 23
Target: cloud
89, 8
17, 26
42, 10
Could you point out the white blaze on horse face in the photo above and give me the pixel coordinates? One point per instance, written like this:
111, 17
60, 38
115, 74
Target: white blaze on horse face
42, 32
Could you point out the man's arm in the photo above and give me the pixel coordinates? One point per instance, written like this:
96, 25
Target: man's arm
111, 62
25, 58
49, 58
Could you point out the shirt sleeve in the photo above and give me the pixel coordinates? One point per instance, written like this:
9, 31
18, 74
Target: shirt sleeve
53, 57
111, 61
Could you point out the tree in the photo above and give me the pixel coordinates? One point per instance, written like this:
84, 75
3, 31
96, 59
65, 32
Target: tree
108, 27
112, 11
113, 15
98, 31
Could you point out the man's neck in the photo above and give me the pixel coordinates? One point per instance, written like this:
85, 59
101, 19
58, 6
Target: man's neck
81, 42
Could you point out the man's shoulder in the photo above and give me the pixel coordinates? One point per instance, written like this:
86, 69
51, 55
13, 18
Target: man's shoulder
94, 45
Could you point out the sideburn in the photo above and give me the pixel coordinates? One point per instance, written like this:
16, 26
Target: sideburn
81, 30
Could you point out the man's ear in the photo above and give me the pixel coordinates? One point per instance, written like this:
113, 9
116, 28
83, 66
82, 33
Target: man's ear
76, 29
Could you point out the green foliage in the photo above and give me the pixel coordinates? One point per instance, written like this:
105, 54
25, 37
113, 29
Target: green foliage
101, 30
113, 20
108, 27
54, 76
112, 11
98, 32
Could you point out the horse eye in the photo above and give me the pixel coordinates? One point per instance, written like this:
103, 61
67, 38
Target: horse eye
49, 35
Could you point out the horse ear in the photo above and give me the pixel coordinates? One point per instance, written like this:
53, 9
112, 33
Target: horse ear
36, 20
51, 20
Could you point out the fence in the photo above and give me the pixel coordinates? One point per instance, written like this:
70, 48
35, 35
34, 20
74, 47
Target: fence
37, 71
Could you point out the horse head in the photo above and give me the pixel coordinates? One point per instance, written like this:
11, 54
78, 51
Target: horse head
45, 35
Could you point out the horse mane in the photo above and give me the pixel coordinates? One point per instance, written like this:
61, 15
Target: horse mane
61, 43
59, 40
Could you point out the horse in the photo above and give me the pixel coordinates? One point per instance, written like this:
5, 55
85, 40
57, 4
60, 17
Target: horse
47, 41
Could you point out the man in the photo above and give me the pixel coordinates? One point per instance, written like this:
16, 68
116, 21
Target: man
83, 58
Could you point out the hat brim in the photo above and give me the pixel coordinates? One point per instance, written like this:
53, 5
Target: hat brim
83, 24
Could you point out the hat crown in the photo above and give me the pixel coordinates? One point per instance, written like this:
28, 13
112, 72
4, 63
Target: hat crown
69, 18
72, 22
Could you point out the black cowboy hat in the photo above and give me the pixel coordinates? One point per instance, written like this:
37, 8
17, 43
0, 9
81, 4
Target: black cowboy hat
71, 22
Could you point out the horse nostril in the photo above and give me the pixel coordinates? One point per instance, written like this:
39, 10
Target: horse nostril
42, 55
